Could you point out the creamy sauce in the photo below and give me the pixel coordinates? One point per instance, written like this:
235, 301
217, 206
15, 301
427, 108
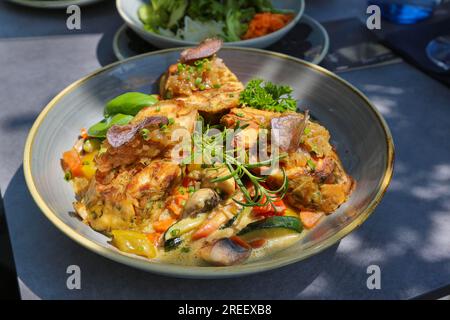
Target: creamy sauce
192, 258
274, 245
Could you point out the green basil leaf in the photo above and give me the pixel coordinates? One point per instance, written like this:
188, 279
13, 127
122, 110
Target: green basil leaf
99, 129
129, 103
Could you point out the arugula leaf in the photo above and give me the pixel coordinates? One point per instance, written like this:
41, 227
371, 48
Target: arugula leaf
268, 96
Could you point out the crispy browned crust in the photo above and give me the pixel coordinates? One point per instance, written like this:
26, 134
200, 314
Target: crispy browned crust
119, 135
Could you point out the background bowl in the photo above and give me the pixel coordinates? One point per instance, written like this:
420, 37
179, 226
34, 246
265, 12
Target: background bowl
128, 10
358, 131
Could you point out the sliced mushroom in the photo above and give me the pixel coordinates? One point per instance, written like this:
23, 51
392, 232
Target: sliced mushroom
225, 188
205, 49
202, 200
225, 252
287, 130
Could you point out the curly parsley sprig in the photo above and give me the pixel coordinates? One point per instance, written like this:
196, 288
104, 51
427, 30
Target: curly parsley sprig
265, 95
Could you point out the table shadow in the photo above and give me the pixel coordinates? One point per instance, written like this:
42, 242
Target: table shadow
43, 254
105, 53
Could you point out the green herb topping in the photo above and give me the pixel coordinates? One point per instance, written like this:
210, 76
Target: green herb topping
268, 96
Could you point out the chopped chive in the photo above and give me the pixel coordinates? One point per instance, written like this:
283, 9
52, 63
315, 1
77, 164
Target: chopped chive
185, 249
180, 67
311, 164
102, 151
171, 121
145, 134
217, 85
68, 176
198, 81
175, 232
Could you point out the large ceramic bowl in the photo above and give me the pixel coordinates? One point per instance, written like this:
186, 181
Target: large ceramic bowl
358, 131
128, 10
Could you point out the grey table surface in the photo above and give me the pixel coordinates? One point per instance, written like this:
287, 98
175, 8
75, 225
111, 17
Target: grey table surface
408, 236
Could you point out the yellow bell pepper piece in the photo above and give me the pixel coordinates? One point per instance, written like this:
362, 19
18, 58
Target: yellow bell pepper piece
88, 165
291, 213
133, 242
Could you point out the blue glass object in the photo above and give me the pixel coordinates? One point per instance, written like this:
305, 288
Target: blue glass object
405, 11
438, 51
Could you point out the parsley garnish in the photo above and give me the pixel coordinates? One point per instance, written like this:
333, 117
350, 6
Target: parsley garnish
265, 95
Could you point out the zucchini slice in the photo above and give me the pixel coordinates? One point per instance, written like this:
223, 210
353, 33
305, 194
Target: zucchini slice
238, 216
173, 236
271, 227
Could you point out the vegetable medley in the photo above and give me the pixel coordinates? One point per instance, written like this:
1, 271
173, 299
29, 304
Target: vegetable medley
202, 197
230, 20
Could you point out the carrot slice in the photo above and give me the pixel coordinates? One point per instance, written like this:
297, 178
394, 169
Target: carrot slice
154, 237
310, 218
258, 243
240, 242
175, 209
266, 22
163, 225
180, 199
210, 225
72, 161
84, 133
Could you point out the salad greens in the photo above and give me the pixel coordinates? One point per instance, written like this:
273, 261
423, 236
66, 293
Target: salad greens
194, 20
120, 111
162, 13
265, 95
